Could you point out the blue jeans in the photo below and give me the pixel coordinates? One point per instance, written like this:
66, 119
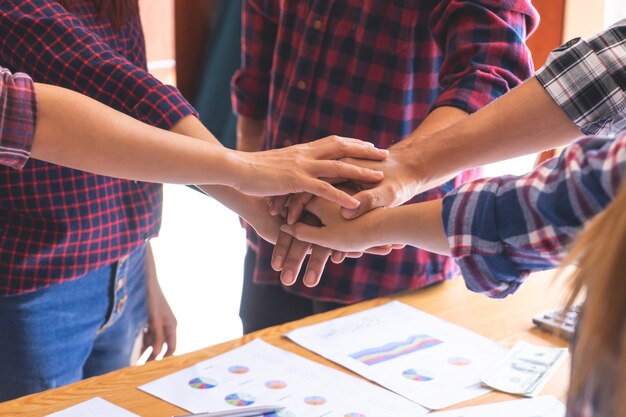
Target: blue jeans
73, 330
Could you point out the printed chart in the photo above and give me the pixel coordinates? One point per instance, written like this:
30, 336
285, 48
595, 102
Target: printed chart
259, 374
95, 407
419, 356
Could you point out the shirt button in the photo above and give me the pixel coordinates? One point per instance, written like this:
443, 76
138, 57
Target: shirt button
301, 85
317, 24
287, 142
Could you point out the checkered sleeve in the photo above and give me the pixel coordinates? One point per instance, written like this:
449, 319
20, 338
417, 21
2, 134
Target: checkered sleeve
251, 83
500, 229
18, 116
484, 48
42, 39
587, 78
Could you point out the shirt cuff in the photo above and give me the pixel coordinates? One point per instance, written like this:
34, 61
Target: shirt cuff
163, 106
472, 92
18, 118
580, 81
250, 95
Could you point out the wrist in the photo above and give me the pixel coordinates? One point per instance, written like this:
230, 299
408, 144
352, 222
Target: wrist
235, 168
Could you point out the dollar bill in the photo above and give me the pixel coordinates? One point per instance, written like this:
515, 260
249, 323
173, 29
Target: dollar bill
525, 369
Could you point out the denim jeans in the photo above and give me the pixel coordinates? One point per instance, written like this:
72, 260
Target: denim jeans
73, 330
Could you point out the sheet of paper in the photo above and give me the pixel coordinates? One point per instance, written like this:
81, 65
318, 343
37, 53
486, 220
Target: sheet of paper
259, 374
96, 407
546, 406
419, 356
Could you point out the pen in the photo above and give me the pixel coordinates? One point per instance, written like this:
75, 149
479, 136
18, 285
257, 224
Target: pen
245, 412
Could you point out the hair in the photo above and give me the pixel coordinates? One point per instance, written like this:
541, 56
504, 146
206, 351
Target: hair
599, 354
117, 11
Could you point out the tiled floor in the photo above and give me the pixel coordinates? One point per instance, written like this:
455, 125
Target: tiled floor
199, 258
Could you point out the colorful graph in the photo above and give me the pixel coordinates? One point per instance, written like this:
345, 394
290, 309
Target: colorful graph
239, 399
379, 354
355, 415
418, 375
315, 400
238, 369
459, 361
203, 383
276, 384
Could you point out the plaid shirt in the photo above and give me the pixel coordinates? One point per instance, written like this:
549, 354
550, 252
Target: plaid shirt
500, 229
373, 70
18, 115
56, 223
503, 228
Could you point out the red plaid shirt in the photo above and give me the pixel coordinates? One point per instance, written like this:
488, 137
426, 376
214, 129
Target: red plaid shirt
373, 70
57, 224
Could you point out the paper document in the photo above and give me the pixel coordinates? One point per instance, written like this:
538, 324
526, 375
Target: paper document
525, 369
96, 407
259, 374
546, 406
419, 356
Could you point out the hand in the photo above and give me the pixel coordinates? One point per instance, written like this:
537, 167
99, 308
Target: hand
303, 168
266, 225
162, 323
400, 184
289, 254
358, 235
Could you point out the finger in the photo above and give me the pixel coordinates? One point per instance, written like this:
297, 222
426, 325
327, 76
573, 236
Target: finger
170, 338
327, 191
379, 250
338, 257
335, 147
369, 200
335, 168
158, 338
315, 266
293, 261
277, 203
296, 206
281, 249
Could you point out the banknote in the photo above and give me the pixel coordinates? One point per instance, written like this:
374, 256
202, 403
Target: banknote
525, 369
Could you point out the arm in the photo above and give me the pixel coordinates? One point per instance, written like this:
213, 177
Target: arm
581, 87
498, 229
484, 56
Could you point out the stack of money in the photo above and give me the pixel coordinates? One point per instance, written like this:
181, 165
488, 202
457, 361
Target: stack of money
525, 369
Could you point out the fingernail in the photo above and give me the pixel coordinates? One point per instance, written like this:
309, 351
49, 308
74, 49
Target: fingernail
287, 229
309, 280
379, 174
278, 263
288, 277
348, 213
356, 203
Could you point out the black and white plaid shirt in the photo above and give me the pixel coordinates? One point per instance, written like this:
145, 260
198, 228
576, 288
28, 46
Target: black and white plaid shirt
587, 79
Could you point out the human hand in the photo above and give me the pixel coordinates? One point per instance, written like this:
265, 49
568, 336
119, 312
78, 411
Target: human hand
289, 254
349, 236
161, 330
303, 168
400, 184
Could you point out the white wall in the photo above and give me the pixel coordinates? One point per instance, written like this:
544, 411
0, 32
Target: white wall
614, 11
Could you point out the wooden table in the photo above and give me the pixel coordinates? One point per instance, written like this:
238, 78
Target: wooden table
506, 321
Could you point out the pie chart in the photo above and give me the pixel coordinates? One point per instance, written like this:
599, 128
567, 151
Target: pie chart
239, 399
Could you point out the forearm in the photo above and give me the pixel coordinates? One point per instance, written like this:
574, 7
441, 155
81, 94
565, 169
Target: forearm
78, 132
524, 121
418, 225
249, 134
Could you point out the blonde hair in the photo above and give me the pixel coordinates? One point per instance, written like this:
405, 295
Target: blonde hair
599, 355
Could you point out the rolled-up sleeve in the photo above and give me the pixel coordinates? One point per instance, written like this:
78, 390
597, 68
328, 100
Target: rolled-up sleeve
52, 45
251, 83
18, 117
587, 79
501, 229
484, 49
